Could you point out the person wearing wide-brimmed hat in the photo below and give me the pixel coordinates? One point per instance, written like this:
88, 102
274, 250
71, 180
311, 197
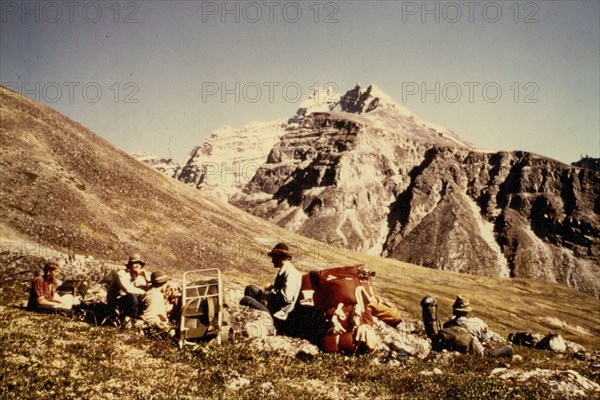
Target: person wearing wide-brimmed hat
281, 297
127, 287
155, 306
477, 328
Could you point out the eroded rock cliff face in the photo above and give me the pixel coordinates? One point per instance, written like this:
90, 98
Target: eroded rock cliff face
364, 173
229, 158
502, 214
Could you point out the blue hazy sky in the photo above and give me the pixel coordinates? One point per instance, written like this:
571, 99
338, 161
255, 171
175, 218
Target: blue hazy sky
148, 76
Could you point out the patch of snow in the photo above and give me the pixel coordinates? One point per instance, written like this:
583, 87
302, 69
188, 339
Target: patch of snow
542, 255
340, 234
486, 230
377, 248
350, 216
321, 100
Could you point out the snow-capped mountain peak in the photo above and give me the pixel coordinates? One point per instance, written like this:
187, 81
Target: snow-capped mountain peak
360, 100
322, 99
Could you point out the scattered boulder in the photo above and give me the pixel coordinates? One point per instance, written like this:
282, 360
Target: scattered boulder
415, 327
435, 371
443, 357
593, 357
256, 324
286, 346
566, 384
401, 342
249, 322
554, 342
574, 348
236, 382
268, 389
517, 358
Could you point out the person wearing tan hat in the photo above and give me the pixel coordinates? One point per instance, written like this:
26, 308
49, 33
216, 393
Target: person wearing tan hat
280, 297
127, 287
43, 296
155, 306
477, 328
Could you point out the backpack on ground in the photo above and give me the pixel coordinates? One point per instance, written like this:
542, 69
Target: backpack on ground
76, 287
342, 294
456, 338
453, 338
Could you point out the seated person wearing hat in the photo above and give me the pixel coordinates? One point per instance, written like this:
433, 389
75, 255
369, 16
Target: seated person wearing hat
43, 296
127, 287
155, 305
477, 328
282, 295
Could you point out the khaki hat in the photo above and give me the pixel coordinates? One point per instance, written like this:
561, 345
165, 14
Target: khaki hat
135, 258
280, 250
159, 277
462, 304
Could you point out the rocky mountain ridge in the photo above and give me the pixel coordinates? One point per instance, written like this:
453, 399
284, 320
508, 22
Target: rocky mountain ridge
588, 162
165, 165
229, 157
362, 172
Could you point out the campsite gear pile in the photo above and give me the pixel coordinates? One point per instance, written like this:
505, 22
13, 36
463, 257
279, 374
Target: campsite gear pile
343, 294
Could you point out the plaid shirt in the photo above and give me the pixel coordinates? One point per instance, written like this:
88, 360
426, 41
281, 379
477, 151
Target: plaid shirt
40, 289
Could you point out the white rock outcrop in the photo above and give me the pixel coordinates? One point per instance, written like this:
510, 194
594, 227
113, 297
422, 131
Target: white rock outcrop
566, 384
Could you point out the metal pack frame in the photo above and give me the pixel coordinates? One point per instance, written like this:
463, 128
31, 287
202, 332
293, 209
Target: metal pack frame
202, 306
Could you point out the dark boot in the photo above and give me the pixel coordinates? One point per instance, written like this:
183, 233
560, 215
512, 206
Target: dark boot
504, 351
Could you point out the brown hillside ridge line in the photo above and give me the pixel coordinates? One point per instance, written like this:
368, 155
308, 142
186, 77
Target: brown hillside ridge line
64, 187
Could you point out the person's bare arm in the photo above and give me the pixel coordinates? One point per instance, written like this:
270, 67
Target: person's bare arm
42, 301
